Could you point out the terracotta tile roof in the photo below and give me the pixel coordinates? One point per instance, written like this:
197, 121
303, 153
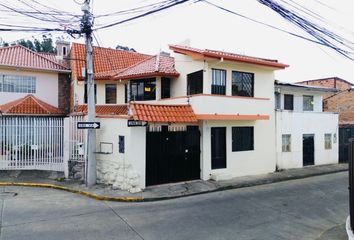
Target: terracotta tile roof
105, 60
163, 113
207, 53
29, 105
104, 109
19, 56
158, 65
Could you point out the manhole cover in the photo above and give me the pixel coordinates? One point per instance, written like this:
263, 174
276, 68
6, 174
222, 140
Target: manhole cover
4, 195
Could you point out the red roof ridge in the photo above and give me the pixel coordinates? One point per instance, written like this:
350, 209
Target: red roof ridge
228, 56
61, 67
40, 55
47, 108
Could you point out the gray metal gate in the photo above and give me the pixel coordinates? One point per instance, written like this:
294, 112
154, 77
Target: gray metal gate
31, 143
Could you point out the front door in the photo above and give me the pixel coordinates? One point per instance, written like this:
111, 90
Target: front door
308, 149
218, 147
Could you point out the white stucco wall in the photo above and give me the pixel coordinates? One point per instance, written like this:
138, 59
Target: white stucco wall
46, 86
122, 170
299, 123
258, 161
298, 99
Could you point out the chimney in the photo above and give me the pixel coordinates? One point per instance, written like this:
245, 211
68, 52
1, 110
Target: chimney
63, 49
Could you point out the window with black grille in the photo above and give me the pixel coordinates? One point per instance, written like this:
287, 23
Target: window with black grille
288, 102
143, 89
218, 85
242, 84
111, 93
165, 87
85, 93
242, 139
195, 83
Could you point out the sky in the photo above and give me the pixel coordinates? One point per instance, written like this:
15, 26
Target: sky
208, 27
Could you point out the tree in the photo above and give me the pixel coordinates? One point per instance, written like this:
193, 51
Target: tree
39, 45
125, 48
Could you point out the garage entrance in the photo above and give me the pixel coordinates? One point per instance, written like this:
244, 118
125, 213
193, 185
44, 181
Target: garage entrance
172, 156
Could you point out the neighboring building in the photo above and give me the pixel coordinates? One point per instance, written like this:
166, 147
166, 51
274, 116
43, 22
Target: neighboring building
34, 98
342, 103
25, 74
209, 115
305, 134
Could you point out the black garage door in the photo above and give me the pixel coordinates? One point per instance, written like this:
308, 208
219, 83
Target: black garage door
172, 156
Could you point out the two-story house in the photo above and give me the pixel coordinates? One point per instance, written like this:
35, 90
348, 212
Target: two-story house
305, 135
202, 114
34, 98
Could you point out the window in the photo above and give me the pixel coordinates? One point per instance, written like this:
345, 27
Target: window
195, 83
218, 85
125, 93
277, 100
328, 141
64, 51
242, 139
242, 84
288, 102
286, 143
17, 84
307, 103
143, 89
85, 93
165, 87
111, 93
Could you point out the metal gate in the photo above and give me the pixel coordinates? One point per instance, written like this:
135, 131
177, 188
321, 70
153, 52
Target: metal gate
31, 143
345, 133
172, 156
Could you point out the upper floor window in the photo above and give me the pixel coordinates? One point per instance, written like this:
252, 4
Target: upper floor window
218, 85
195, 83
85, 93
64, 51
307, 103
111, 93
17, 84
143, 89
288, 102
165, 87
242, 84
242, 139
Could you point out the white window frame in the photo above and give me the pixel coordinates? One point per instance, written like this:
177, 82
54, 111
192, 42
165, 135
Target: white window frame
17, 83
286, 146
328, 141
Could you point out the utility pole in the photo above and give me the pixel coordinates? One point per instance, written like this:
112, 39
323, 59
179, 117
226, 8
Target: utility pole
86, 28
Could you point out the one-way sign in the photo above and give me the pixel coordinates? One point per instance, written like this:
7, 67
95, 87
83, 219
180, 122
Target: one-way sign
88, 125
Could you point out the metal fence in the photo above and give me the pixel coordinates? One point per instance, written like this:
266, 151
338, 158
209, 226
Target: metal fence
351, 182
77, 139
31, 143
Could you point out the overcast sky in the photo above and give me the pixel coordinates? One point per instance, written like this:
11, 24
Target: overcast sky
209, 27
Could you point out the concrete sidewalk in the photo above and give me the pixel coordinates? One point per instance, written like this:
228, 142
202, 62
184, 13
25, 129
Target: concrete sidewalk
168, 191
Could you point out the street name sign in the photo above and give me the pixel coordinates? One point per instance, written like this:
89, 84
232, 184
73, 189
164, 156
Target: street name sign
135, 123
88, 125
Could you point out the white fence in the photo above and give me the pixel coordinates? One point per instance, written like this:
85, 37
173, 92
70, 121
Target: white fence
31, 143
77, 138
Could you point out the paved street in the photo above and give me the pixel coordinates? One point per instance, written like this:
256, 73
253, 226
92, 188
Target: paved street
299, 209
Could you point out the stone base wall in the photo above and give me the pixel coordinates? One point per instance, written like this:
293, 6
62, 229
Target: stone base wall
118, 174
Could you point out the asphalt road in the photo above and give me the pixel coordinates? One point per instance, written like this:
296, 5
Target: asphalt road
299, 209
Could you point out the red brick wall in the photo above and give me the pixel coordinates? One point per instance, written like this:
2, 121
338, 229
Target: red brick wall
343, 103
329, 82
64, 92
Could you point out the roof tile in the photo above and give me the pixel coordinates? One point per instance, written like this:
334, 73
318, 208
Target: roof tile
105, 109
163, 113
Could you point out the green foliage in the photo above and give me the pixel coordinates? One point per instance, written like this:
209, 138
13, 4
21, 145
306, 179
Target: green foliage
125, 48
45, 44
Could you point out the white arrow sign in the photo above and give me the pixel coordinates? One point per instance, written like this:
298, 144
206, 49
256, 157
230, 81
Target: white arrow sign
88, 125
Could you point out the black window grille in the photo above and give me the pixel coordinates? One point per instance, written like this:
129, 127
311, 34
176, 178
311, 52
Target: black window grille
195, 83
85, 93
288, 102
165, 87
242, 84
218, 85
143, 89
242, 139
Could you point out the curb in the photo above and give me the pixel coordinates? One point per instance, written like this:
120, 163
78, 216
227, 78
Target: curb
67, 189
153, 199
